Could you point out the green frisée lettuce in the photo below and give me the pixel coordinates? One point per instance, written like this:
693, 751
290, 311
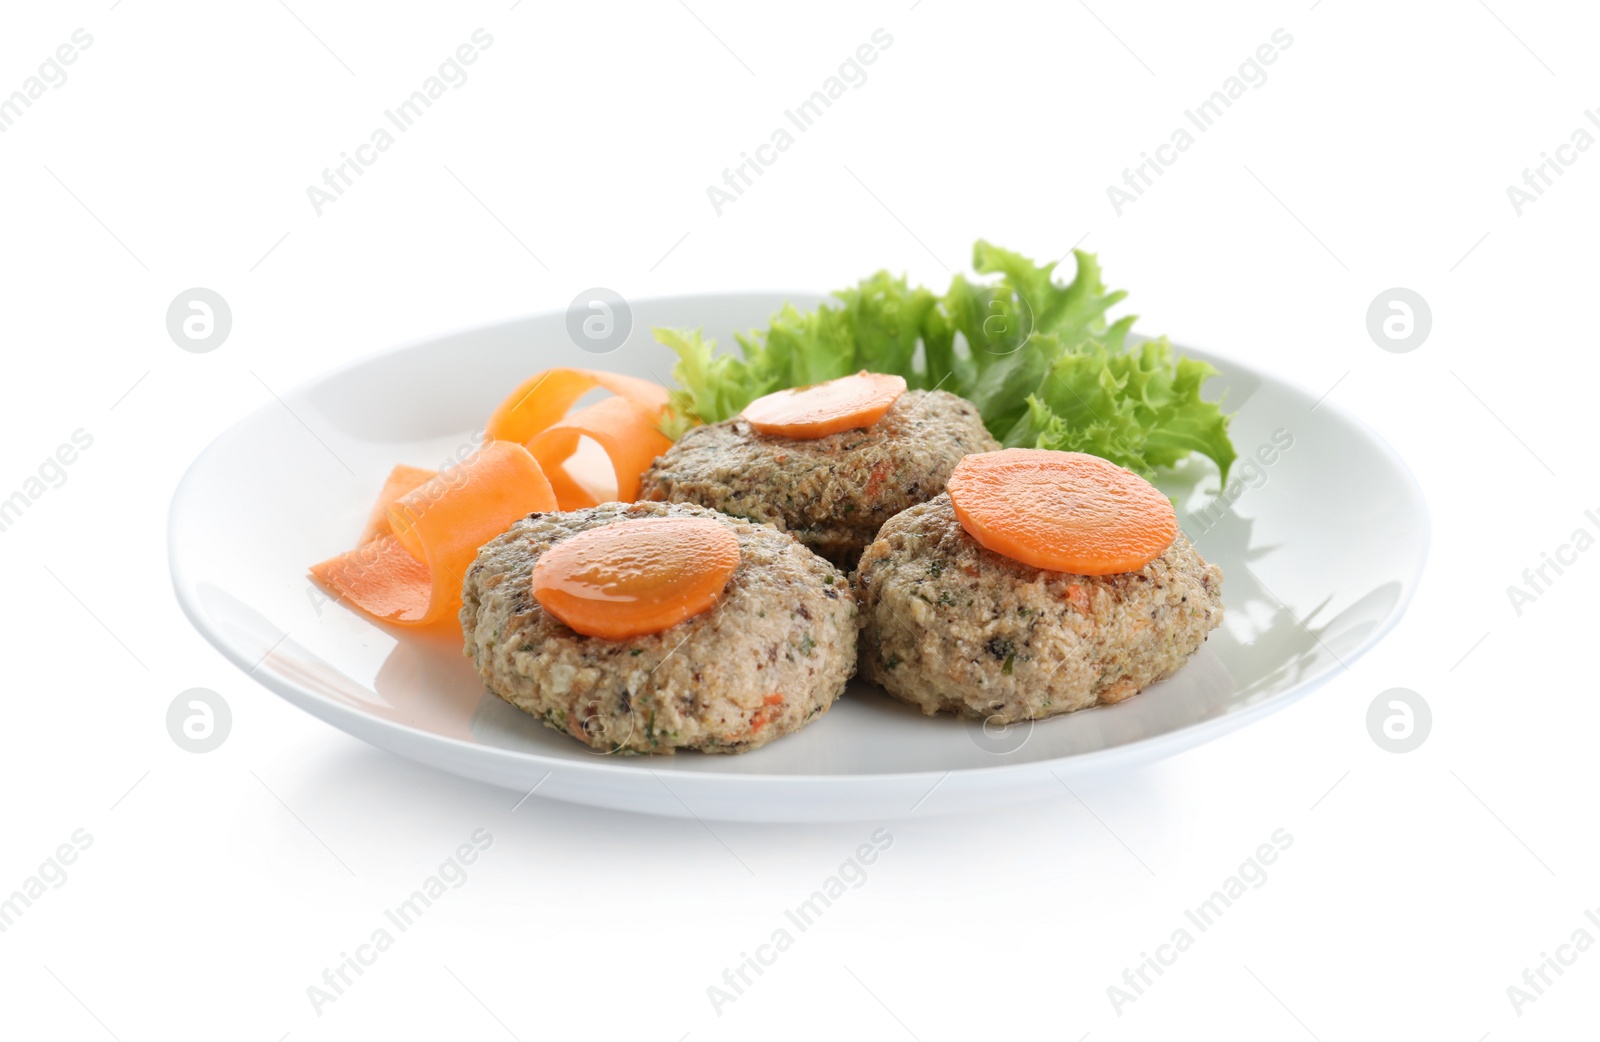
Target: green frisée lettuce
1037, 358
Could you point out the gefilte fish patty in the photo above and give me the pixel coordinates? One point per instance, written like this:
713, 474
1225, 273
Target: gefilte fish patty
950, 626
831, 493
771, 655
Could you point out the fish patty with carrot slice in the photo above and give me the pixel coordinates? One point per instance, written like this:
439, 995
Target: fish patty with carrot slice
760, 657
949, 625
832, 493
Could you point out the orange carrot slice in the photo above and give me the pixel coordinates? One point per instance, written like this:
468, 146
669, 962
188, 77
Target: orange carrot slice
402, 479
625, 429
635, 577
1062, 511
822, 409
544, 398
414, 576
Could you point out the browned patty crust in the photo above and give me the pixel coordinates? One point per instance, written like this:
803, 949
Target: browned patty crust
773, 654
948, 625
831, 493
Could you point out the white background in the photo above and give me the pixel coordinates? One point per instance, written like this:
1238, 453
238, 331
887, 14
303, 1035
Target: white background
1376, 154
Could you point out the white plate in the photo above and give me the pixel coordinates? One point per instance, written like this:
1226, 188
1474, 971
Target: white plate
1321, 551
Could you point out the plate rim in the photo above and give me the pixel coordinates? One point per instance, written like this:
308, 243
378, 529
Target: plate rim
362, 725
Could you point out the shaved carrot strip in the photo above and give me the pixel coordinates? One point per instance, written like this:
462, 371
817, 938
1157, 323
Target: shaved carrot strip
426, 528
626, 430
544, 398
381, 579
445, 521
402, 479
414, 576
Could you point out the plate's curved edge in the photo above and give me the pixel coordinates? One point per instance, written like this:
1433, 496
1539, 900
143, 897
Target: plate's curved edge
808, 298
1144, 750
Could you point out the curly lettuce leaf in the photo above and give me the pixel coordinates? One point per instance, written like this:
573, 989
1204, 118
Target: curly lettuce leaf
711, 387
1073, 312
1139, 409
887, 318
1036, 357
